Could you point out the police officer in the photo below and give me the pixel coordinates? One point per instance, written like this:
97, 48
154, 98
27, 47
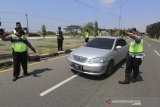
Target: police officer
86, 35
19, 51
134, 57
18, 25
60, 39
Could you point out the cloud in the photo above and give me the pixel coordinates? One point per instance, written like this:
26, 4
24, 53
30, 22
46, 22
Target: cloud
107, 2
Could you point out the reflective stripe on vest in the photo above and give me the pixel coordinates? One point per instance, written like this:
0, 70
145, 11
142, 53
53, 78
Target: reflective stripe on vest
136, 49
17, 44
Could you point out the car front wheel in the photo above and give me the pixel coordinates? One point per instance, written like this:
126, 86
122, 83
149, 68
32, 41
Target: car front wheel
109, 69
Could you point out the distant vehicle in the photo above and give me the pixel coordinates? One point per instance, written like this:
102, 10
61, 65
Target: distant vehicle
99, 55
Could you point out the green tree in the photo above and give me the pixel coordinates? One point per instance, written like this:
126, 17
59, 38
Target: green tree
43, 30
96, 29
90, 26
153, 30
73, 29
50, 33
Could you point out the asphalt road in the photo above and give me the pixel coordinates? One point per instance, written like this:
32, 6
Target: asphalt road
69, 89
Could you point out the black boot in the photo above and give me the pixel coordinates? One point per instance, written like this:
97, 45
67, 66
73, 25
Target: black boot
133, 80
26, 74
14, 79
126, 81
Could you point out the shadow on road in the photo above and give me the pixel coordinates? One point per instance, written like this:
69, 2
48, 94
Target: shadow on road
139, 78
101, 77
36, 72
39, 71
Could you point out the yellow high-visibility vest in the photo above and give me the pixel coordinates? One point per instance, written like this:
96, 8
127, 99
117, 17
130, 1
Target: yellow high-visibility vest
86, 35
136, 48
17, 44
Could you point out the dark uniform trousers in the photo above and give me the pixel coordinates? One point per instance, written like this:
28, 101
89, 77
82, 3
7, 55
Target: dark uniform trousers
19, 58
86, 40
132, 63
60, 44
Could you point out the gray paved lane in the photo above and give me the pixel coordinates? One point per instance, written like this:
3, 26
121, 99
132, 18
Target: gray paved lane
153, 44
83, 90
89, 92
25, 91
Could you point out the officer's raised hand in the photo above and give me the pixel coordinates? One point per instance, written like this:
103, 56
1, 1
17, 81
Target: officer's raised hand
34, 50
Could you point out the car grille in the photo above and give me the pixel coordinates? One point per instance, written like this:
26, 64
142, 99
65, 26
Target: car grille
79, 58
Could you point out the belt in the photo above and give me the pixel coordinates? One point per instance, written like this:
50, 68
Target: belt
136, 56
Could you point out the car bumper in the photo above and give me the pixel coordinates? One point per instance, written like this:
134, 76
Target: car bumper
91, 69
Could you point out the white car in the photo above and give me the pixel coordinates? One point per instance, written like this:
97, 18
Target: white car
99, 55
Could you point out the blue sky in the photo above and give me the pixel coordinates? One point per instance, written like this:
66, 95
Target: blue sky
54, 13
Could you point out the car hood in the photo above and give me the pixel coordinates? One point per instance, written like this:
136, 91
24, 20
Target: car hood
89, 52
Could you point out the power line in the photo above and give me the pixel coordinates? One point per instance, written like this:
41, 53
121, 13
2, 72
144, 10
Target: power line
89, 6
93, 1
31, 24
49, 18
42, 17
7, 12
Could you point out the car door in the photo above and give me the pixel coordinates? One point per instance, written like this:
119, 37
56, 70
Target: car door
118, 51
124, 48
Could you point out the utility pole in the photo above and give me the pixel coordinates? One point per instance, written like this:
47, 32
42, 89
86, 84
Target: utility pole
27, 22
0, 22
120, 16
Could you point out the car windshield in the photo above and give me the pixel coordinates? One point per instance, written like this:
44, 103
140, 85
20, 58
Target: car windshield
101, 43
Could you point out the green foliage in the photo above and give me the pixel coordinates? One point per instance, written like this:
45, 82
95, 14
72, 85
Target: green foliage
73, 29
96, 29
43, 30
90, 26
153, 30
2, 44
117, 32
50, 33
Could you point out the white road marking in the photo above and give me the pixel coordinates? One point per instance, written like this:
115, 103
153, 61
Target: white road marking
156, 52
58, 85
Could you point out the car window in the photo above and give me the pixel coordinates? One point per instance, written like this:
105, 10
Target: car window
102, 43
121, 42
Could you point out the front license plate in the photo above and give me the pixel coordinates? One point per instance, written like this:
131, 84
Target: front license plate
78, 67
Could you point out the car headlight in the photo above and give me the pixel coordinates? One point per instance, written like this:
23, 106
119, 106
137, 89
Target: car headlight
97, 60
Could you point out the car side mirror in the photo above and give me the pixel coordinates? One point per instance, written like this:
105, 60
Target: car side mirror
118, 47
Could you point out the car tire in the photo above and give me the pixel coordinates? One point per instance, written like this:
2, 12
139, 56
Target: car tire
109, 69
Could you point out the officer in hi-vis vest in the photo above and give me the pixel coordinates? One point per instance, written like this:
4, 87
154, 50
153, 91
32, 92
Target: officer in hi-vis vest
18, 25
19, 50
86, 35
134, 57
